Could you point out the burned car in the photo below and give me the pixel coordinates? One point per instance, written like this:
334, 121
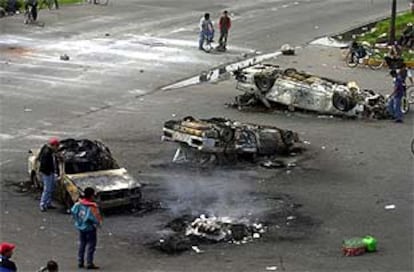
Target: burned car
87, 163
270, 85
224, 140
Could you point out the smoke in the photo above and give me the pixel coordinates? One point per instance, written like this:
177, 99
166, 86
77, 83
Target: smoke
219, 193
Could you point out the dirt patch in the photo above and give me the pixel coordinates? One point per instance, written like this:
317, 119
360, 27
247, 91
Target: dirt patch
16, 50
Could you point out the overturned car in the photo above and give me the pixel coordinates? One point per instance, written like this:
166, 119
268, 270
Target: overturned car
224, 140
88, 163
270, 85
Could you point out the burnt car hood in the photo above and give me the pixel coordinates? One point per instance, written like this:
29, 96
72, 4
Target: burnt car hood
107, 180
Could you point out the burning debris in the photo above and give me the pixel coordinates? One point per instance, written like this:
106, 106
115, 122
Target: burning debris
190, 232
223, 140
270, 85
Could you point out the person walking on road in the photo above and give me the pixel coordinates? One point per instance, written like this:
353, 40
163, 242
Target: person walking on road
6, 252
206, 30
394, 106
224, 27
49, 172
87, 218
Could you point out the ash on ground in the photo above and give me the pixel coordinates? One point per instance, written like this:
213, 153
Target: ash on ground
188, 232
280, 221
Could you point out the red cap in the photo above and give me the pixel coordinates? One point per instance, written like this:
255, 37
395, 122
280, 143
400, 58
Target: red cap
6, 247
54, 141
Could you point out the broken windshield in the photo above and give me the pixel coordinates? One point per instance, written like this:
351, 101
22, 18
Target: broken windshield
80, 156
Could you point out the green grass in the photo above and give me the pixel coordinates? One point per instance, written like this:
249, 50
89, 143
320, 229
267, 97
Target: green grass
20, 3
384, 27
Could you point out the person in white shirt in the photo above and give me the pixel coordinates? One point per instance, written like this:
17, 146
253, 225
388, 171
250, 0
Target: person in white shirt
206, 30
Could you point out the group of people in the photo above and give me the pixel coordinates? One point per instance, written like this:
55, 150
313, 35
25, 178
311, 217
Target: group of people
85, 213
207, 30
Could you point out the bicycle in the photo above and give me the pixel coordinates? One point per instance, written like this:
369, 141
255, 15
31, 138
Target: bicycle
374, 59
97, 2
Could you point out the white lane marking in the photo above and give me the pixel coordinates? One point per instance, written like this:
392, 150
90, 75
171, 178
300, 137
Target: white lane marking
215, 73
5, 162
4, 136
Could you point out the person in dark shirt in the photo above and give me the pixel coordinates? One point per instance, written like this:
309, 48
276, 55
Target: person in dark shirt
224, 27
6, 252
48, 170
394, 105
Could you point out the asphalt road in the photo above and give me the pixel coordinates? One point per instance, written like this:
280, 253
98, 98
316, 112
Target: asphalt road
119, 56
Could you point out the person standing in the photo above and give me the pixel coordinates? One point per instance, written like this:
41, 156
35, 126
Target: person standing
206, 30
87, 218
224, 26
6, 252
33, 4
394, 106
49, 171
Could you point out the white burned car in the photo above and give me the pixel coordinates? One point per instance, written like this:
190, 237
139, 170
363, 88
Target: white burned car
224, 140
271, 85
87, 163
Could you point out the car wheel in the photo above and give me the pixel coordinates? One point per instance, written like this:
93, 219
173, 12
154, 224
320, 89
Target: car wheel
288, 137
264, 83
342, 102
226, 134
290, 72
35, 181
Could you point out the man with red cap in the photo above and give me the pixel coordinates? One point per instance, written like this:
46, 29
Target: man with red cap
6, 251
49, 171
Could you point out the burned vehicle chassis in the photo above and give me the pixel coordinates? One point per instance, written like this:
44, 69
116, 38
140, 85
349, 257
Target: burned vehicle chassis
272, 86
223, 140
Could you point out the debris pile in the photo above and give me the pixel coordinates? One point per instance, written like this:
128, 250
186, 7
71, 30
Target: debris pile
189, 233
223, 229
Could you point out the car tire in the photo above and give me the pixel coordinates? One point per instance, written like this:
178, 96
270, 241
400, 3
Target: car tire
264, 83
226, 134
288, 137
342, 102
35, 181
290, 72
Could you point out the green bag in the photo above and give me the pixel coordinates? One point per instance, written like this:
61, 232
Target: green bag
370, 243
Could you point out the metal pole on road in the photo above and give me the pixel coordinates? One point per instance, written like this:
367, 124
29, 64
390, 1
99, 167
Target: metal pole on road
392, 23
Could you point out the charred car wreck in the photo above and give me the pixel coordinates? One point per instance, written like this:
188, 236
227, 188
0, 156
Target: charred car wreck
272, 86
87, 163
225, 140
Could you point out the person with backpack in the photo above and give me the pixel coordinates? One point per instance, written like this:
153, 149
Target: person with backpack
87, 219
